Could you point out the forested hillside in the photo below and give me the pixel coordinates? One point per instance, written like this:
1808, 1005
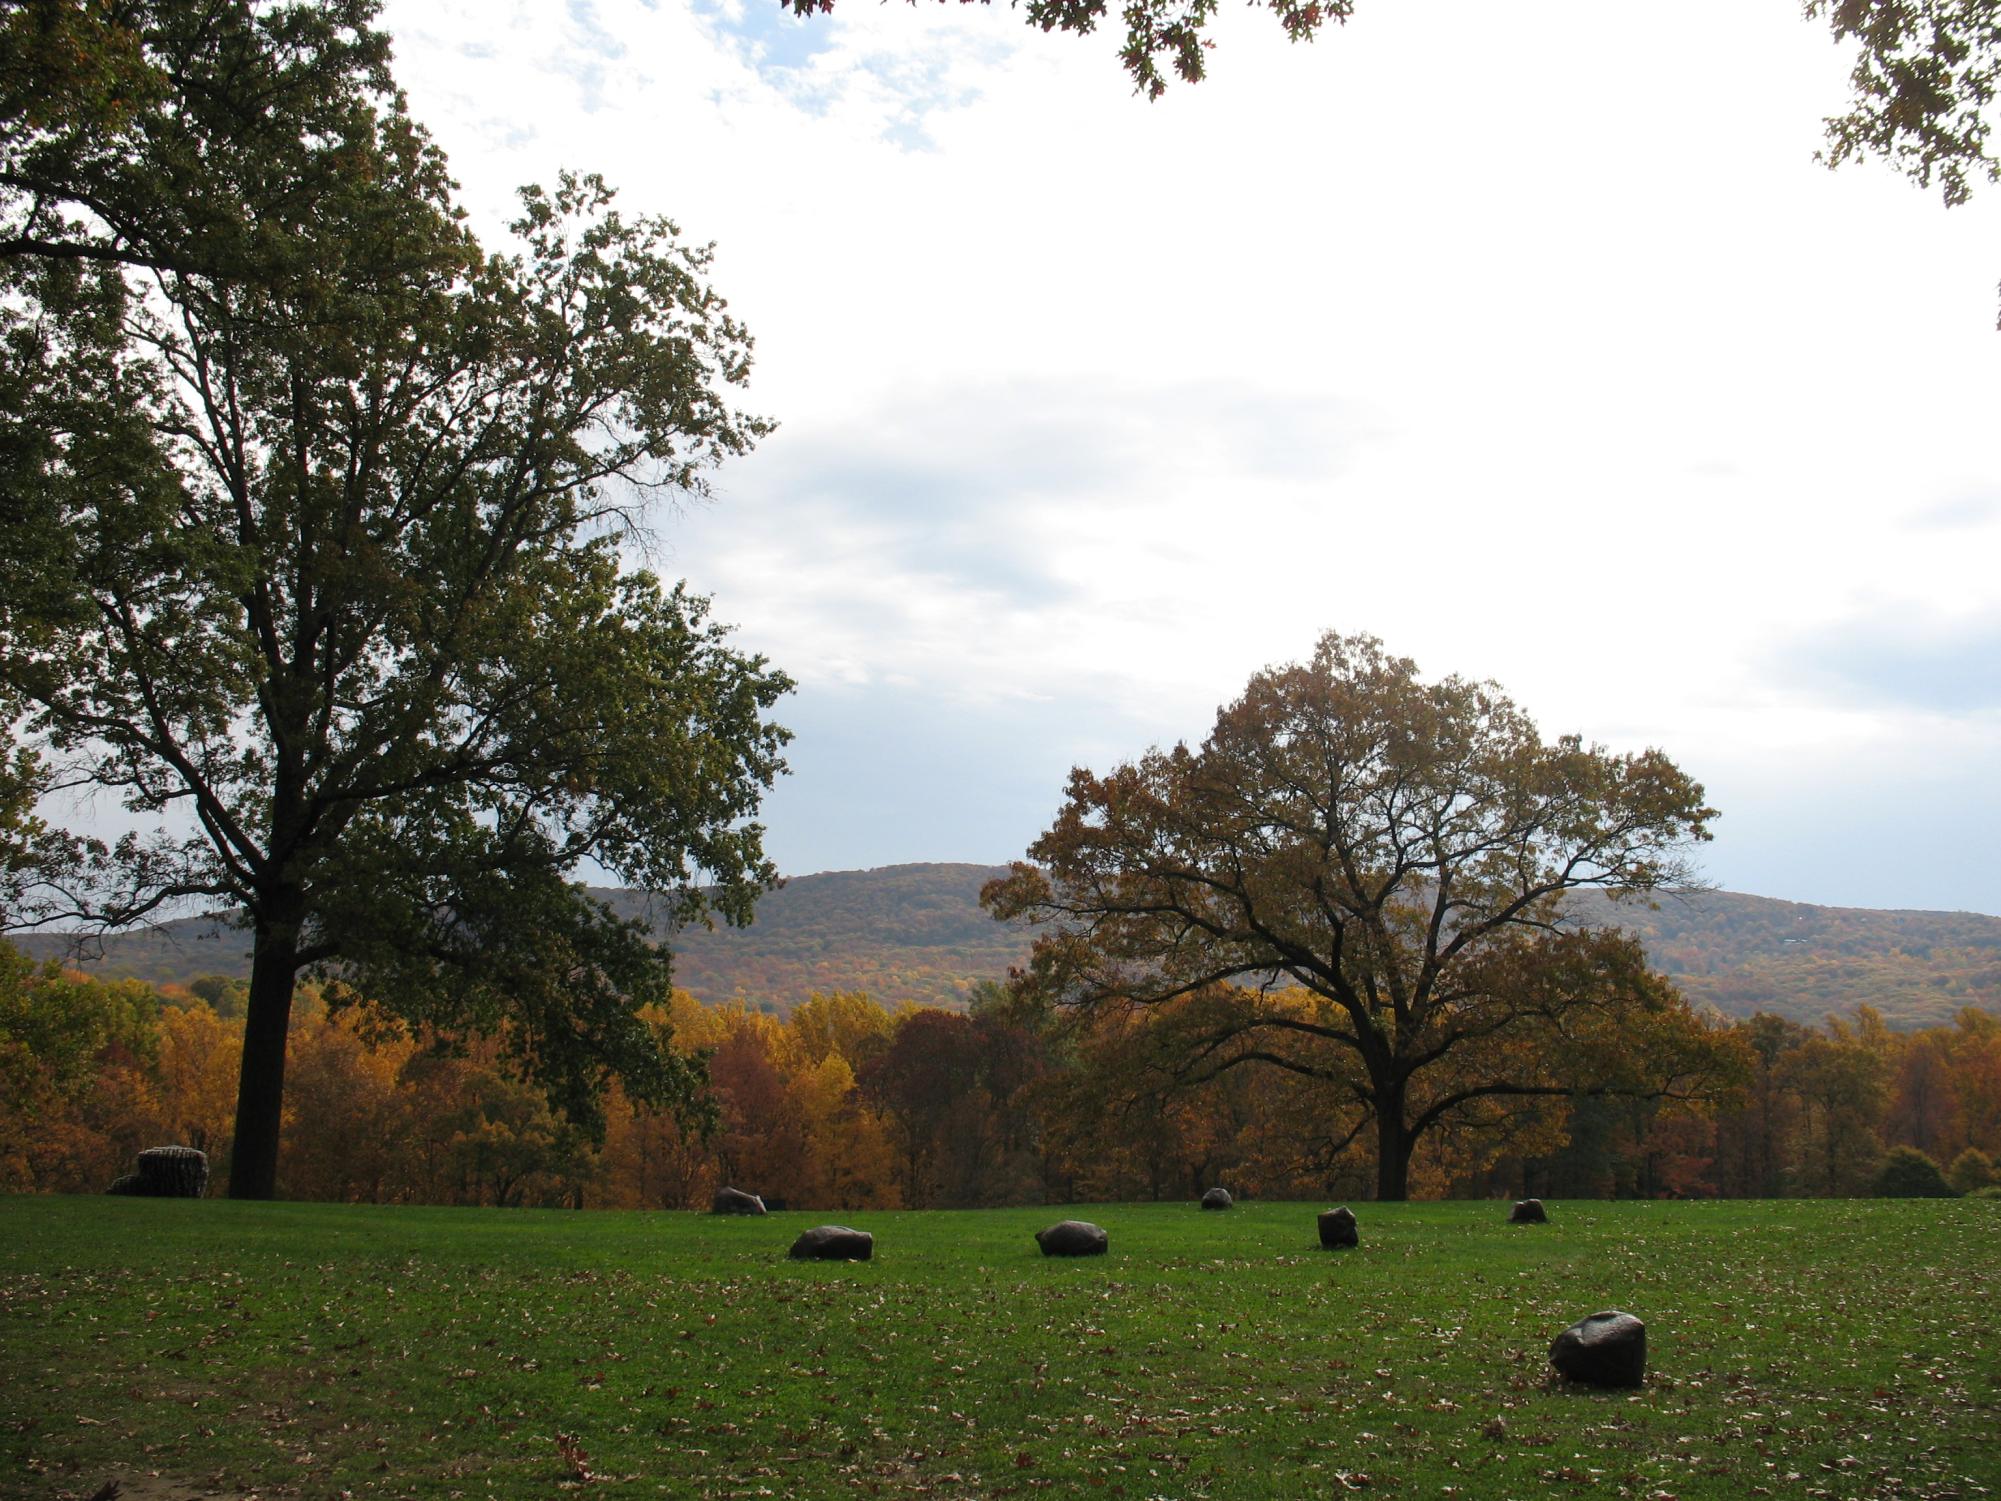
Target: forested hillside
1744, 954
904, 933
916, 933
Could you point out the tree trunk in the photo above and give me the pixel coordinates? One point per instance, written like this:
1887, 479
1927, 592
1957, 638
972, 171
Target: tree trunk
1768, 1173
1393, 1147
260, 1091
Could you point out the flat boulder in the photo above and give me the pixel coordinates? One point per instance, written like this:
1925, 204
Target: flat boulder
1606, 1349
1217, 1198
166, 1173
833, 1243
173, 1173
1529, 1212
1337, 1228
1072, 1238
736, 1201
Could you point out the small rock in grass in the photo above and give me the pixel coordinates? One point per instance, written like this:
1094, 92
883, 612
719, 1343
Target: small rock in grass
1217, 1198
1072, 1238
1337, 1228
834, 1243
1529, 1212
1606, 1349
736, 1201
126, 1184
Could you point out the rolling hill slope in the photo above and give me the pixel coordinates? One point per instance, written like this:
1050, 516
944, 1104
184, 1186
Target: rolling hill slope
915, 933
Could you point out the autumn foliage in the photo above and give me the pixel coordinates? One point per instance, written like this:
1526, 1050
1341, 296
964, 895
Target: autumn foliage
1399, 852
847, 1105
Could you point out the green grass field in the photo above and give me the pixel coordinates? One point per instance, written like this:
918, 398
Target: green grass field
193, 1348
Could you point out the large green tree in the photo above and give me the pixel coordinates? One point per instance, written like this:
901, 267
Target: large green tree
1398, 850
314, 521
29, 852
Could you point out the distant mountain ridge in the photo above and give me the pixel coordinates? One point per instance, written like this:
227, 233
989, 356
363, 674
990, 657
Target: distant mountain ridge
916, 934
1743, 954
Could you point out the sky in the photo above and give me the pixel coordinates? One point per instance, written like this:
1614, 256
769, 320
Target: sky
1531, 339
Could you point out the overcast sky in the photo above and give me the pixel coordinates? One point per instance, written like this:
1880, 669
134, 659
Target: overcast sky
1530, 338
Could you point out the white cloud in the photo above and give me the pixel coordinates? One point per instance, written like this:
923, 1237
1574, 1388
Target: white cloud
1904, 658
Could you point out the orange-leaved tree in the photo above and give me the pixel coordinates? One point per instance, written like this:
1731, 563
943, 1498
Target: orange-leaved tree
1399, 850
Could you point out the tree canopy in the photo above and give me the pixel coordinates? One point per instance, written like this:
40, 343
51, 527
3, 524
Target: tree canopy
1924, 85
314, 524
1398, 851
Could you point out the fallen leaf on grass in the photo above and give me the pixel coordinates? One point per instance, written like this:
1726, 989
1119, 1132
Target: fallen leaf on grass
575, 1457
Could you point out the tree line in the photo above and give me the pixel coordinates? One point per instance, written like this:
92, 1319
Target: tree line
846, 1104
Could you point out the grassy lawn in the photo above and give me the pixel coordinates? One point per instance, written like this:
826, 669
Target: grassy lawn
1797, 1349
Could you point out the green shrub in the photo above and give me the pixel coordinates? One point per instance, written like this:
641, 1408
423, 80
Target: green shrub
1908, 1173
1970, 1170
1991, 1191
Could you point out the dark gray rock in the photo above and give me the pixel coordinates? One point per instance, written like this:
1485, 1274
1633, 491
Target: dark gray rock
1337, 1228
833, 1243
127, 1185
1529, 1212
736, 1201
173, 1173
1217, 1198
1607, 1349
1072, 1238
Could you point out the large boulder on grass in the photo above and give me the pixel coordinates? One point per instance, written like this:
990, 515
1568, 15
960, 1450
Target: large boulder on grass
126, 1185
1337, 1228
1529, 1212
1606, 1349
1072, 1238
1217, 1198
736, 1201
833, 1243
173, 1173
